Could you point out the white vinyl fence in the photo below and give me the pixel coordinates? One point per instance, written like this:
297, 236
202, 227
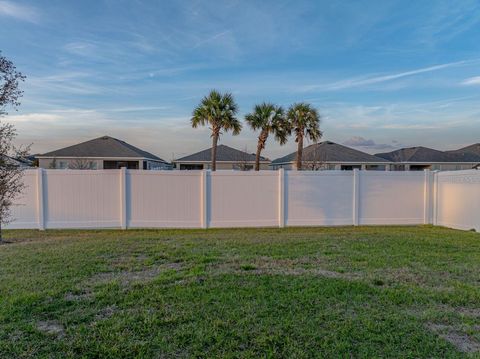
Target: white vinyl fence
202, 199
458, 204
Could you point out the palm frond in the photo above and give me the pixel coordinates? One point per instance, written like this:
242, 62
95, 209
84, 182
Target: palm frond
305, 121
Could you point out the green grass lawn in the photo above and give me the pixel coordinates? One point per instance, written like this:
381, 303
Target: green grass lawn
292, 293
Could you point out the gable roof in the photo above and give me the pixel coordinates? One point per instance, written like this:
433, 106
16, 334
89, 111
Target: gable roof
470, 153
224, 154
425, 154
328, 151
475, 148
104, 146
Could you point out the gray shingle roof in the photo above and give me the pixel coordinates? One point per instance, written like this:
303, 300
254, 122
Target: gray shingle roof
104, 146
224, 154
475, 148
328, 151
470, 153
425, 154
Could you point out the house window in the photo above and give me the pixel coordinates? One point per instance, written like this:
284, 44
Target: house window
242, 167
62, 165
419, 167
350, 167
191, 166
131, 165
375, 167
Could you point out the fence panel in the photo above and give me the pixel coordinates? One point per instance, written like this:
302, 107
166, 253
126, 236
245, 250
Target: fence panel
319, 198
458, 199
82, 199
164, 199
391, 197
243, 199
24, 212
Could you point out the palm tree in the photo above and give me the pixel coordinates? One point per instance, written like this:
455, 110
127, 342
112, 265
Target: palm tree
305, 122
269, 119
217, 110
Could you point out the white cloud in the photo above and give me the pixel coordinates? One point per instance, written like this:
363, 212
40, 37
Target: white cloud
472, 81
211, 38
79, 83
17, 11
358, 141
81, 48
371, 79
136, 108
45, 118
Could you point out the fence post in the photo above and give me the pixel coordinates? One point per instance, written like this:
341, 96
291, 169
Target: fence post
40, 199
204, 199
281, 197
435, 198
123, 198
426, 197
356, 195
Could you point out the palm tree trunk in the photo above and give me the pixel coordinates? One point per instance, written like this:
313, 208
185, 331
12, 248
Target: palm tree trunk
214, 150
260, 146
299, 152
257, 156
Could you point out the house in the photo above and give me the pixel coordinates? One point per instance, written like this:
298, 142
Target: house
228, 158
101, 153
420, 158
329, 155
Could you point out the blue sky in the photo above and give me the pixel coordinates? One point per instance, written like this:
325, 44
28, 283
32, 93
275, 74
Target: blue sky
384, 74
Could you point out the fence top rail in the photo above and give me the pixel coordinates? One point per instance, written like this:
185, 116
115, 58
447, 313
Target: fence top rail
192, 173
319, 173
393, 173
458, 173
243, 173
32, 171
82, 172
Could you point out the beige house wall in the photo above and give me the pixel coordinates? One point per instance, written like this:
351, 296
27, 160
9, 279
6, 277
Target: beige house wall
329, 166
63, 163
223, 165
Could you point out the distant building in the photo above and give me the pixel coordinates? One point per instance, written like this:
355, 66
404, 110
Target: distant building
228, 158
101, 153
329, 155
420, 158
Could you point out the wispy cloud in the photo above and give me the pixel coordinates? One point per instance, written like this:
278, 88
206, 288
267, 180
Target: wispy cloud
211, 38
359, 141
445, 22
471, 81
81, 48
70, 82
44, 118
375, 79
20, 12
136, 109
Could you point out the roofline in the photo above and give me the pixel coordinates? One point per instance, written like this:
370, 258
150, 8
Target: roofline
209, 149
339, 162
100, 158
239, 161
384, 163
429, 163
